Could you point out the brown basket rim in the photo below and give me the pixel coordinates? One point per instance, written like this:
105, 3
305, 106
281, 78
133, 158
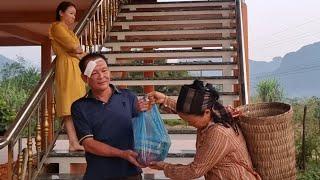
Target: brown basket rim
265, 117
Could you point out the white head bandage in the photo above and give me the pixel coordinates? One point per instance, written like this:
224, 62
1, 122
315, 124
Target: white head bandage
90, 67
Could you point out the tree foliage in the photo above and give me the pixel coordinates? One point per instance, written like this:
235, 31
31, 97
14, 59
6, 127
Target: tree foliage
16, 84
6, 116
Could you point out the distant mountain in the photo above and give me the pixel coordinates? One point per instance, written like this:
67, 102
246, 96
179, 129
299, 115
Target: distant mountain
4, 60
298, 72
260, 67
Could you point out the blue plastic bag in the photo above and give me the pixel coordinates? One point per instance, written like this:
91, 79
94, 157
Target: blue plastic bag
151, 139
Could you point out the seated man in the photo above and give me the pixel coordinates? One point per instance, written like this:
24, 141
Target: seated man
102, 121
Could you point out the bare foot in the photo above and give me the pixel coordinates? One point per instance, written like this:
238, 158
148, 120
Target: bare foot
75, 147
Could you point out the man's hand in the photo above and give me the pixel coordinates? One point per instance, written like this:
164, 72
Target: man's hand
157, 165
143, 105
156, 97
131, 156
101, 149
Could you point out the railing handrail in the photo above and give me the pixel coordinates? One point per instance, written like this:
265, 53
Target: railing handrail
83, 22
241, 54
24, 113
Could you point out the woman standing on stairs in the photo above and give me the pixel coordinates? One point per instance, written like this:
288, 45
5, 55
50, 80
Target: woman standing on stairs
68, 83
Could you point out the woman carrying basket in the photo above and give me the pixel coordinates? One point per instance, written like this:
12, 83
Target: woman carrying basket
221, 151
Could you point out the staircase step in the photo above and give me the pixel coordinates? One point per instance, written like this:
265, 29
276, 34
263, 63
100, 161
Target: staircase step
223, 43
171, 19
225, 54
177, 8
178, 78
160, 5
157, 82
173, 34
174, 27
228, 83
171, 25
200, 63
177, 15
179, 2
175, 67
171, 31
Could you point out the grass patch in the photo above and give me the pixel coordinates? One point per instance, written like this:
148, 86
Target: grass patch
312, 172
174, 122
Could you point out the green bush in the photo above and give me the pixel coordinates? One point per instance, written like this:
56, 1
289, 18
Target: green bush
6, 116
312, 141
16, 85
312, 172
175, 122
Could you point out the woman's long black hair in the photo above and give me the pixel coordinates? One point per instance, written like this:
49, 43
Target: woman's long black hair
218, 112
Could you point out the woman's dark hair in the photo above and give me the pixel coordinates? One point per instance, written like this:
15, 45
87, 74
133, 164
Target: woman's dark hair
218, 112
196, 98
90, 57
63, 6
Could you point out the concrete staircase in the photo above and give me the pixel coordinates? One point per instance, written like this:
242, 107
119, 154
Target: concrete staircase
194, 37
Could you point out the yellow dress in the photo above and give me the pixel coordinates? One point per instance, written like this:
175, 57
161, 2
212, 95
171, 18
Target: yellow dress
68, 83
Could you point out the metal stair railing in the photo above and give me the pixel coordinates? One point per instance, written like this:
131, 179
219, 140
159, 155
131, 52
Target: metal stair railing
242, 61
31, 124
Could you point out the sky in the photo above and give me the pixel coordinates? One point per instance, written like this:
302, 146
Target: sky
276, 27
30, 53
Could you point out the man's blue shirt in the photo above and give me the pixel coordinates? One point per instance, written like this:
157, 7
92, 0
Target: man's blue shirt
109, 123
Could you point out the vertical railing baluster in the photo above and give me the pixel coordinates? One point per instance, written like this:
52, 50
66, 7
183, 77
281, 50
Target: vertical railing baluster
20, 158
29, 147
106, 16
81, 42
38, 137
20, 161
90, 36
114, 10
109, 14
86, 47
24, 163
10, 160
94, 33
98, 27
102, 23
117, 8
46, 122
53, 115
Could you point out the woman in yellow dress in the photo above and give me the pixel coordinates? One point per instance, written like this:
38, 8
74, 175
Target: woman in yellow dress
68, 83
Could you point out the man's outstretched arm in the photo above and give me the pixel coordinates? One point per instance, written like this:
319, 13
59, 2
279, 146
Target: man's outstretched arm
101, 149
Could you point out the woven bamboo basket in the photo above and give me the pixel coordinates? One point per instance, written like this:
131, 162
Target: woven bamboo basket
268, 130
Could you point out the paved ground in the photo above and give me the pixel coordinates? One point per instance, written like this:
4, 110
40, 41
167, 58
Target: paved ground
179, 143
